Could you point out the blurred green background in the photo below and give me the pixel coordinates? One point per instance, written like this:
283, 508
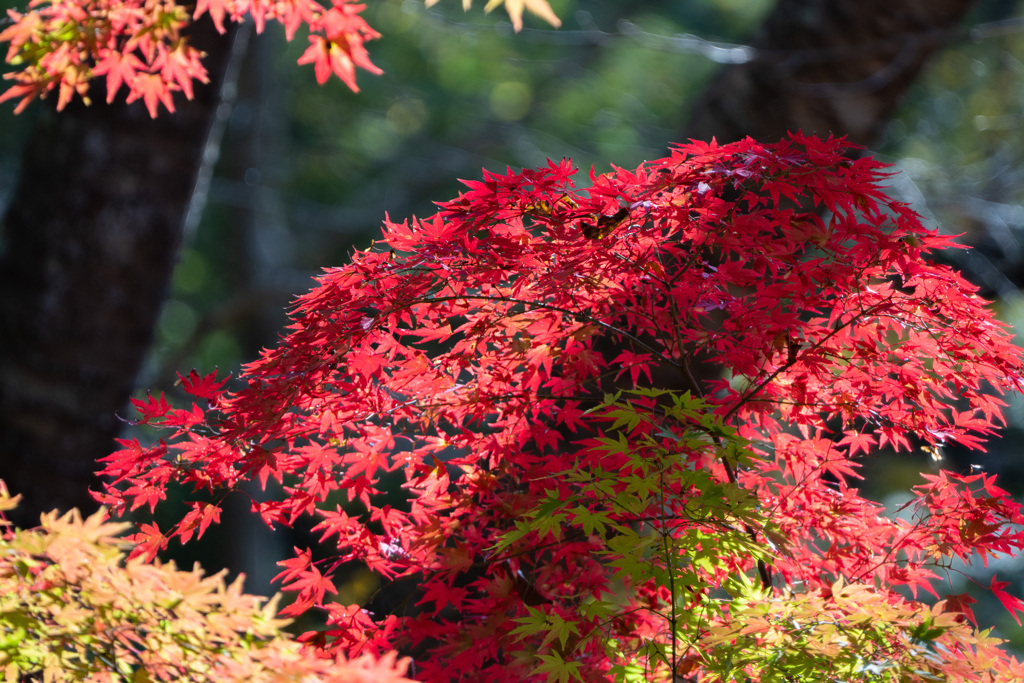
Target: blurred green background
307, 173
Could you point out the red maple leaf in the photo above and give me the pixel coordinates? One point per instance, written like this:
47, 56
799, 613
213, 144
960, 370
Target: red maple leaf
1013, 604
181, 66
300, 574
202, 386
151, 408
120, 67
201, 515
962, 603
341, 51
149, 541
153, 90
217, 10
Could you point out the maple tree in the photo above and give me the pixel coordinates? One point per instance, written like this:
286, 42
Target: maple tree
71, 609
142, 44
578, 504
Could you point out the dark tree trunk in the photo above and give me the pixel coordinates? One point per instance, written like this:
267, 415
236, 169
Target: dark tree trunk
90, 241
834, 67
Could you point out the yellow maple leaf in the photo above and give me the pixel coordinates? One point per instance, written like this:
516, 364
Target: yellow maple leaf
515, 10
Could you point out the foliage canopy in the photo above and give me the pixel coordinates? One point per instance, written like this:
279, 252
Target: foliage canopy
579, 504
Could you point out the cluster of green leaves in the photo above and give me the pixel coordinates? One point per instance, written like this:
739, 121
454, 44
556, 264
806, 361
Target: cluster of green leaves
660, 525
688, 560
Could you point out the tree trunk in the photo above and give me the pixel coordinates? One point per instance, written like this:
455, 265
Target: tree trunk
90, 242
829, 67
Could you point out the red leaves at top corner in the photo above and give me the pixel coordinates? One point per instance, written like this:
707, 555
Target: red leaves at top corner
340, 50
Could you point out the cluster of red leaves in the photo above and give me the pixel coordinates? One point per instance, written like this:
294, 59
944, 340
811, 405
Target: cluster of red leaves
72, 609
471, 352
140, 44
61, 44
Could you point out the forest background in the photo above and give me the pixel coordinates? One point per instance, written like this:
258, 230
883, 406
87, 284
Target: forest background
306, 172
